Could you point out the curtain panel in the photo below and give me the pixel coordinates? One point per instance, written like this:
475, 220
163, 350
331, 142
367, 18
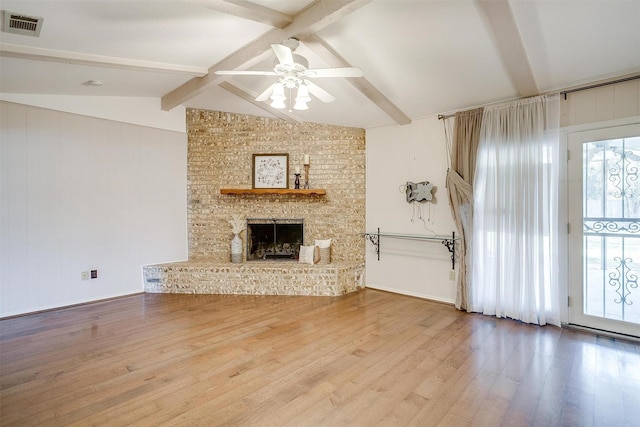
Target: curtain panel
460, 185
515, 224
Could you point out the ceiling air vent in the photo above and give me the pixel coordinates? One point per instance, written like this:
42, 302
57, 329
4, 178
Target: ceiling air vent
21, 24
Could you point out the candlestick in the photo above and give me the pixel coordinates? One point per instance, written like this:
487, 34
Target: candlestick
306, 176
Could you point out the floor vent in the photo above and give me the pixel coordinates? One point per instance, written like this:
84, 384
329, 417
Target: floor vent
21, 24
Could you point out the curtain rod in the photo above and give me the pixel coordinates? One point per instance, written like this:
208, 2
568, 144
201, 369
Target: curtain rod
565, 92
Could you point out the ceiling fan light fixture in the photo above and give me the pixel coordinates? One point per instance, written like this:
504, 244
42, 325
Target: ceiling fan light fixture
292, 71
278, 103
278, 91
302, 98
278, 97
300, 105
303, 93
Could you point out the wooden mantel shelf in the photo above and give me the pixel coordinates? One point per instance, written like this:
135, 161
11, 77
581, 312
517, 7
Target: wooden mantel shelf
306, 191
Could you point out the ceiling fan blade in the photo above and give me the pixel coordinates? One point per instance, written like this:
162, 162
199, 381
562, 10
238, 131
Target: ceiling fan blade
266, 94
245, 73
322, 94
333, 72
283, 53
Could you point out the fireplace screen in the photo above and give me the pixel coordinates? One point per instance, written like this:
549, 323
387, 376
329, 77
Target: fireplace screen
269, 239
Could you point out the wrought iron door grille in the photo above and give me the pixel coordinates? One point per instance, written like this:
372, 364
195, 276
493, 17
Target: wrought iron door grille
611, 228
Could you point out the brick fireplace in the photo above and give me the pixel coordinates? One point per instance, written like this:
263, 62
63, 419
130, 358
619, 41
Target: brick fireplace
220, 150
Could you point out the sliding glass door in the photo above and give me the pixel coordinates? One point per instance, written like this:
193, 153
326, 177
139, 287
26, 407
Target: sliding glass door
604, 239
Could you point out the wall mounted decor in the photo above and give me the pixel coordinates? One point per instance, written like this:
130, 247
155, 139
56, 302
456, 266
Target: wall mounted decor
271, 170
419, 191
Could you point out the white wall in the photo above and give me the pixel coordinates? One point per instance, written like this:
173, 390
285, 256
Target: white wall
80, 193
395, 155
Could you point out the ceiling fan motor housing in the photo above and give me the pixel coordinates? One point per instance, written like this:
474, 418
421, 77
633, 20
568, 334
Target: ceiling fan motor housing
289, 74
292, 43
300, 64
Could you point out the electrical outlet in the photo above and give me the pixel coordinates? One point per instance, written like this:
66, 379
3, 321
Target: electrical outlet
94, 274
84, 275
452, 275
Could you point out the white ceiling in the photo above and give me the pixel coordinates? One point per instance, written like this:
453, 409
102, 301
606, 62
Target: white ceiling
419, 57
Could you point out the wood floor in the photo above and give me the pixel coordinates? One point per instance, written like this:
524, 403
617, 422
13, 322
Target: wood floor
365, 359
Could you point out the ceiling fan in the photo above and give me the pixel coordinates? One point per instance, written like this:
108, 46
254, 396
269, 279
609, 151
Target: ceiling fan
293, 72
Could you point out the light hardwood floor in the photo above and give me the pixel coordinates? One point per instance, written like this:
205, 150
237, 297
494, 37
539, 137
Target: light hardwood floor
369, 358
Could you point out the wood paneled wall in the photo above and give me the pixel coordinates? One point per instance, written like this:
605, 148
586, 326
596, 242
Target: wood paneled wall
616, 101
80, 193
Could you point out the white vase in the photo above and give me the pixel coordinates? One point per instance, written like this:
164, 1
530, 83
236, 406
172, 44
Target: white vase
236, 249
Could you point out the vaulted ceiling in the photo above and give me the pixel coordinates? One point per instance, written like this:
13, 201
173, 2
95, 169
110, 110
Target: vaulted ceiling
419, 57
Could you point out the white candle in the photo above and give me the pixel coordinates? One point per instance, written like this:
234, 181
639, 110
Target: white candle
306, 159
298, 170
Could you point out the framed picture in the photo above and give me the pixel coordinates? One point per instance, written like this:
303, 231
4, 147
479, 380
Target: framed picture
271, 171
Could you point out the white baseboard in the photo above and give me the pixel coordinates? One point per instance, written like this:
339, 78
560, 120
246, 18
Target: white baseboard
412, 294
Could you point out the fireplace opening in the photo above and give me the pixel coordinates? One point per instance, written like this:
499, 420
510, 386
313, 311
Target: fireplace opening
271, 238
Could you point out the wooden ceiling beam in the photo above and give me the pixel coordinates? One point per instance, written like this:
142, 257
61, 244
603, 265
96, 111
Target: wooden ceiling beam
247, 95
331, 57
502, 24
75, 58
246, 10
309, 21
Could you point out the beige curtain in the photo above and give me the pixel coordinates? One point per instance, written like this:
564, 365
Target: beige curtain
466, 135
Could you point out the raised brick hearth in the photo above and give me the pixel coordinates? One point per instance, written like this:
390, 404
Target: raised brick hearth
254, 278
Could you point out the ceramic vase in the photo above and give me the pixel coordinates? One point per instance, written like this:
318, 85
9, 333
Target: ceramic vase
236, 249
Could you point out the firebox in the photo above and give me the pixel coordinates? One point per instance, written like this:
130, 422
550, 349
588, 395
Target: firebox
271, 238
